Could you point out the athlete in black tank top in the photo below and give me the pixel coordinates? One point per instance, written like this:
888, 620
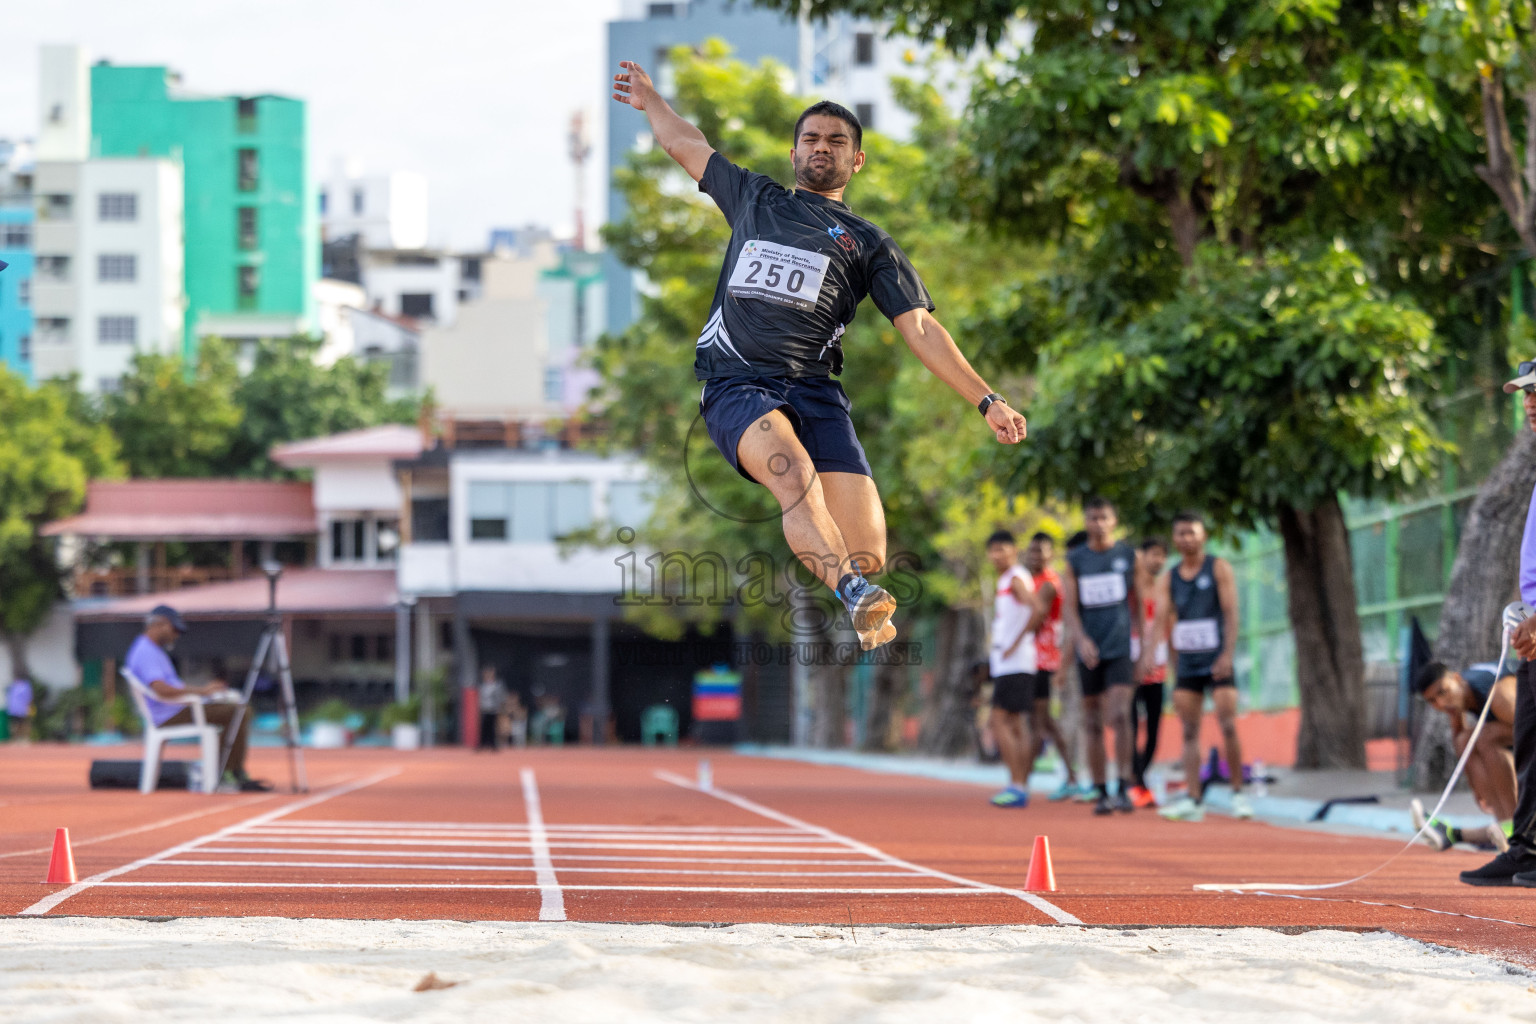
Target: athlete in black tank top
799, 263
1197, 614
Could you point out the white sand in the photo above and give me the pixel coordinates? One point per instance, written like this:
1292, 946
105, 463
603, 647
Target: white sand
230, 970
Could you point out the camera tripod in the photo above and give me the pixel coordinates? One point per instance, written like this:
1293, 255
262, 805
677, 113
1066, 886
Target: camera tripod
272, 649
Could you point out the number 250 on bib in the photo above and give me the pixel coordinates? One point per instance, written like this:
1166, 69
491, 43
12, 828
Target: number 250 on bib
780, 274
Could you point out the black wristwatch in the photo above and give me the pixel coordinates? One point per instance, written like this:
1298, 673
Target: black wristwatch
986, 403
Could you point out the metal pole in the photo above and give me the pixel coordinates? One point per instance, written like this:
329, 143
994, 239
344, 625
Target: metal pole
600, 682
403, 649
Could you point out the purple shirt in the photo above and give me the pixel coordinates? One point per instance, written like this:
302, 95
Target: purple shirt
148, 662
1528, 557
18, 699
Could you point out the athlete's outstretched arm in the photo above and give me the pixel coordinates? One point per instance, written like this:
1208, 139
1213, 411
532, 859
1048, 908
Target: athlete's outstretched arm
682, 141
931, 343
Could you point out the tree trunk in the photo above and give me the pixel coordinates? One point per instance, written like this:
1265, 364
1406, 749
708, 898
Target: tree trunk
1330, 665
947, 713
16, 643
886, 687
1484, 578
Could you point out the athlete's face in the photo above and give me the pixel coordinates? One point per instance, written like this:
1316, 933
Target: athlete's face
1038, 555
825, 156
1099, 524
1189, 538
1004, 556
1448, 694
1153, 559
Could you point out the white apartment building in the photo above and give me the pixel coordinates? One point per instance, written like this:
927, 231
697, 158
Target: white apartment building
387, 211
357, 493
420, 284
109, 266
851, 61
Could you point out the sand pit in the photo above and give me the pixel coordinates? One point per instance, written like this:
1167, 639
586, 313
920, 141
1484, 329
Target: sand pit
228, 970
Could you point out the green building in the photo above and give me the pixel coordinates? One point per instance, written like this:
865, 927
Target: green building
252, 223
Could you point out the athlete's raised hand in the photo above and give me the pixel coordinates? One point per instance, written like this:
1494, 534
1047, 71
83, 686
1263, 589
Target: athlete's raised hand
633, 85
1008, 424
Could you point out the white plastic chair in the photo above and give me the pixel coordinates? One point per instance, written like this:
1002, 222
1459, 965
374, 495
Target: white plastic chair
155, 736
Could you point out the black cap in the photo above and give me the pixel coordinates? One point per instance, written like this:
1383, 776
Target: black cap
171, 615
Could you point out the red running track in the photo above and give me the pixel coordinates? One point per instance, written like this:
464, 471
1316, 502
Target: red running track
623, 835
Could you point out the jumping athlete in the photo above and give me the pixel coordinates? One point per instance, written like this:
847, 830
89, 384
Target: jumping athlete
1197, 613
1103, 611
1047, 629
1491, 765
1012, 662
799, 263
1147, 703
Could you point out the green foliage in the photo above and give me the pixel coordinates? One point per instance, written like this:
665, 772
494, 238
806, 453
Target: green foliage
912, 425
333, 710
401, 713
174, 424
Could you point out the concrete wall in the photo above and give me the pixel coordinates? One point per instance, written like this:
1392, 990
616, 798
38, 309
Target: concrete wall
50, 652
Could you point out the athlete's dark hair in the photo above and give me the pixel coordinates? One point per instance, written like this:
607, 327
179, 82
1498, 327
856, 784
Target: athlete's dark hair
1077, 540
1096, 502
1001, 537
837, 110
1154, 542
1189, 515
1042, 535
1429, 675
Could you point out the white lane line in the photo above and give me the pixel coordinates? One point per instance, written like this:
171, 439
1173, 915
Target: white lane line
515, 867
752, 829
551, 901
548, 841
164, 823
47, 903
291, 852
1044, 906
557, 838
749, 889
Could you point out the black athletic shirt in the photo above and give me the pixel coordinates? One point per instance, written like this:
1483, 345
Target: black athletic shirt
1200, 627
797, 267
1104, 583
1480, 680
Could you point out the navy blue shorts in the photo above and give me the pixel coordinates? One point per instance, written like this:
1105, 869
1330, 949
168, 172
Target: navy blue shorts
817, 408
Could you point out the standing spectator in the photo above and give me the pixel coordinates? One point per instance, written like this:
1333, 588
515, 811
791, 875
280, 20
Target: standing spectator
1102, 610
1517, 865
18, 708
493, 699
1147, 705
1011, 663
517, 720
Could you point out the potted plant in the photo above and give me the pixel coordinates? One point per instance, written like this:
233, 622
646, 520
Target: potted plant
401, 720
328, 725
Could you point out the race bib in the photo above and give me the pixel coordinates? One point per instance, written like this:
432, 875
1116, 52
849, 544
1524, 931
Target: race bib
1100, 589
779, 274
1195, 635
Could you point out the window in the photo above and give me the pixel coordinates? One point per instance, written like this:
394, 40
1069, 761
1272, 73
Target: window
121, 268
863, 49
109, 385
429, 519
117, 206
416, 304
865, 112
554, 384
117, 330
334, 643
384, 647
249, 282
246, 226
24, 348
247, 175
15, 235
245, 114
629, 503
529, 513
24, 292
52, 330
59, 206
359, 647
349, 540
358, 203
386, 539
662, 11
52, 268
323, 201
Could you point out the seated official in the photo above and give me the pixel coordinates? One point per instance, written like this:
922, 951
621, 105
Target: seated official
149, 661
1491, 766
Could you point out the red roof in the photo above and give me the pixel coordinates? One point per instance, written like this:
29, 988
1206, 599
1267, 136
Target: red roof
299, 592
193, 510
392, 441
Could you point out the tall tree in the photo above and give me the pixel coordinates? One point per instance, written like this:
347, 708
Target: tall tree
1243, 196
170, 423
47, 454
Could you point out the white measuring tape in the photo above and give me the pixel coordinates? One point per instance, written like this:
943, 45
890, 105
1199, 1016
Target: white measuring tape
1514, 609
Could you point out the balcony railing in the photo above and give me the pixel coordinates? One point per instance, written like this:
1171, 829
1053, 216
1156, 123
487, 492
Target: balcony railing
127, 582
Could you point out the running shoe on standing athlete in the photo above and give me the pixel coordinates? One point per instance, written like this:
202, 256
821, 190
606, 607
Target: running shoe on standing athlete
799, 263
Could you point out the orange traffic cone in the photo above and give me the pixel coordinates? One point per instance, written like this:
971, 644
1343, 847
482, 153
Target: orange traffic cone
1041, 877
61, 866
